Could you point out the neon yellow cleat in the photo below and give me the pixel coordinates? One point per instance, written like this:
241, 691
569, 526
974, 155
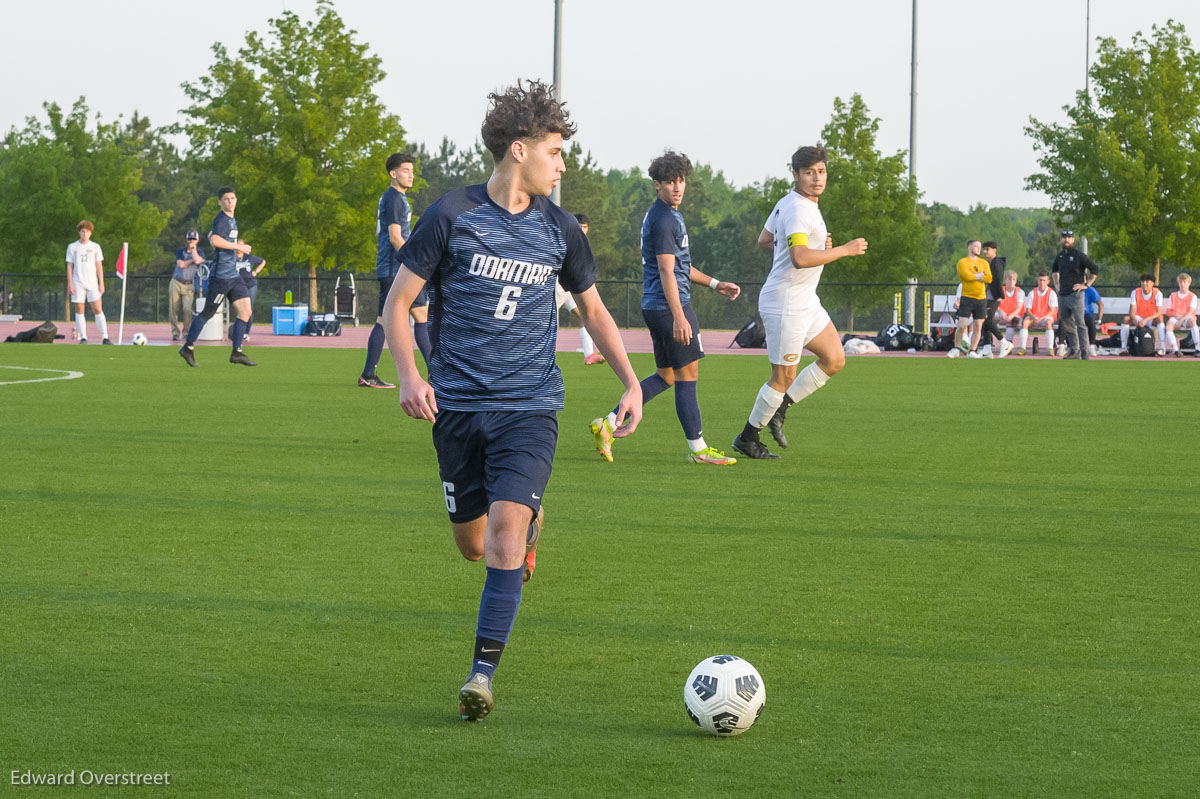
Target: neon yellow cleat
712, 457
602, 430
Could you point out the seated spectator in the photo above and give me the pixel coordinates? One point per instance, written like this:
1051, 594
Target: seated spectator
1041, 312
1011, 307
1093, 312
1145, 310
1180, 311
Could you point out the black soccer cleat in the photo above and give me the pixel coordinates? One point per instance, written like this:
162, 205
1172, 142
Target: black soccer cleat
776, 428
237, 356
754, 449
106, 341
374, 381
188, 356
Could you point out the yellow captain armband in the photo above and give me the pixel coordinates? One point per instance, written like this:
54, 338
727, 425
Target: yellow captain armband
797, 240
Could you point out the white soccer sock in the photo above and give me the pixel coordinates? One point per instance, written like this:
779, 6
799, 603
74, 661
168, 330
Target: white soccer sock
1050, 341
1174, 339
102, 323
697, 445
586, 340
1124, 337
1162, 336
1024, 337
1196, 336
81, 326
612, 419
809, 380
765, 405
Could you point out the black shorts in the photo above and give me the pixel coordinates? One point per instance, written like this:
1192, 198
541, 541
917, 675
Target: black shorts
669, 353
385, 286
488, 456
219, 288
969, 306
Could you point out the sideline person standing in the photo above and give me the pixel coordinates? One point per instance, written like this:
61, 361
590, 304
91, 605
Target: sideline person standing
1072, 273
85, 281
181, 304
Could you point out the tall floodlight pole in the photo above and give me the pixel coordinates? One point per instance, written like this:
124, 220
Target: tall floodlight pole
556, 195
1087, 68
910, 315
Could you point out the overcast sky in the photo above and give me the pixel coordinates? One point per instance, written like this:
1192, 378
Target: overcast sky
738, 84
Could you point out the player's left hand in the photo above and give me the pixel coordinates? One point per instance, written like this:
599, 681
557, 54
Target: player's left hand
418, 401
730, 290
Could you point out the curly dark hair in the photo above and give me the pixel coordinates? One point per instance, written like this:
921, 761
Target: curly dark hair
525, 111
670, 166
807, 156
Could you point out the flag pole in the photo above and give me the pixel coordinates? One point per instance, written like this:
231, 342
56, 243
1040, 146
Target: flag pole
123, 263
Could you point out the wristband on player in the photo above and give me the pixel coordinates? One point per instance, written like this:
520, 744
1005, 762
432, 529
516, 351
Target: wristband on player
713, 283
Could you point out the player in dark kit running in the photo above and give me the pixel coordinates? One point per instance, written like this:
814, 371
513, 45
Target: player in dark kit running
492, 253
225, 281
393, 222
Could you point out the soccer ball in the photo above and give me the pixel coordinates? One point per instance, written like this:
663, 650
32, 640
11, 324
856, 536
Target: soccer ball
724, 695
138, 340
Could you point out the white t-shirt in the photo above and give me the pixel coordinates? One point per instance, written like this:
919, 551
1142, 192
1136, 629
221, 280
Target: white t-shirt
795, 220
83, 259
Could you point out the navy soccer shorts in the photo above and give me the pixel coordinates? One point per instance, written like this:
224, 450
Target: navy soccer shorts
669, 353
487, 456
385, 286
219, 288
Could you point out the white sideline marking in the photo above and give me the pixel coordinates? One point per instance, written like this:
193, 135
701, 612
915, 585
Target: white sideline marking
62, 375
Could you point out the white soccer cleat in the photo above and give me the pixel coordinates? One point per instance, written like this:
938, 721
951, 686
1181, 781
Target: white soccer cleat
954, 352
1006, 347
974, 354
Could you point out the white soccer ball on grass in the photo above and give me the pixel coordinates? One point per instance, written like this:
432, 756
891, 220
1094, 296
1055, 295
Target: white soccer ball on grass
724, 695
138, 340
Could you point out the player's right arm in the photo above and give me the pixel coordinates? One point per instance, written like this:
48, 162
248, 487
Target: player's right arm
416, 395
70, 278
766, 240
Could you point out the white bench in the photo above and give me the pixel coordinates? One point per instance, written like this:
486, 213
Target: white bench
944, 304
9, 317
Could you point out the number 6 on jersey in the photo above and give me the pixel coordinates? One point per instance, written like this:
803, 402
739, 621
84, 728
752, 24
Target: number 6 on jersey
508, 302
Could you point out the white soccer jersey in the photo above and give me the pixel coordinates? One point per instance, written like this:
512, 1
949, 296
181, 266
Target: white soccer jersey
795, 220
83, 259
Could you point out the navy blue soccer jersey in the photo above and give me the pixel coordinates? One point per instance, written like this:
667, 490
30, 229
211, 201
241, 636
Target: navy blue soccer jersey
492, 311
225, 261
664, 233
393, 210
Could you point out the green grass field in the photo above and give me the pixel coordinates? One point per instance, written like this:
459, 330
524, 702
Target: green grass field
965, 579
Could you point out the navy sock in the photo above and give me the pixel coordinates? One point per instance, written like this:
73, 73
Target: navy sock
239, 334
375, 344
194, 331
652, 386
498, 610
421, 334
687, 407
487, 656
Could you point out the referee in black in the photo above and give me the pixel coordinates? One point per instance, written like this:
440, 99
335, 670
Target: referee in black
995, 293
1072, 273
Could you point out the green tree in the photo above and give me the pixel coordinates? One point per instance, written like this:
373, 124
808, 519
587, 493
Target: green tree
57, 172
870, 195
448, 168
1125, 169
294, 124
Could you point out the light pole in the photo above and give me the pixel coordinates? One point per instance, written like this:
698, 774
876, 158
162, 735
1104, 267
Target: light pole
910, 315
556, 194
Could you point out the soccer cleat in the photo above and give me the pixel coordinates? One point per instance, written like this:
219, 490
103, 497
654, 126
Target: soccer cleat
954, 352
1123, 353
237, 356
712, 457
373, 381
602, 430
1020, 352
1094, 350
475, 697
974, 354
188, 356
174, 337
83, 341
1160, 354
775, 425
593, 359
531, 542
754, 449
106, 341
1178, 354
1006, 347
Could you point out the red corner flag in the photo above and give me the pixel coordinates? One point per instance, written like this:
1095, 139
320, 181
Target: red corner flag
121, 260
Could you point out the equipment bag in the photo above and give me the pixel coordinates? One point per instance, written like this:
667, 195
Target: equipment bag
752, 336
45, 333
323, 327
1141, 341
895, 337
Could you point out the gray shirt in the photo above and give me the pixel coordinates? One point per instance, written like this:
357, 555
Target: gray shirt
188, 273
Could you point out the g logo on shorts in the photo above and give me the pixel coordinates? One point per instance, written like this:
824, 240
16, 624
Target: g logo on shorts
791, 357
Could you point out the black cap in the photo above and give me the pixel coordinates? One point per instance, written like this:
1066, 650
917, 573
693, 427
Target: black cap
191, 234
1068, 232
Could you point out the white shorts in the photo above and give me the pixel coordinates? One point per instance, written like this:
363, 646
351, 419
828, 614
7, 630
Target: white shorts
563, 298
788, 334
82, 294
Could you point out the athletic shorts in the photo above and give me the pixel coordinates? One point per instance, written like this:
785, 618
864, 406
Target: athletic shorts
563, 298
385, 286
1040, 324
487, 456
669, 353
82, 294
219, 288
788, 334
969, 306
